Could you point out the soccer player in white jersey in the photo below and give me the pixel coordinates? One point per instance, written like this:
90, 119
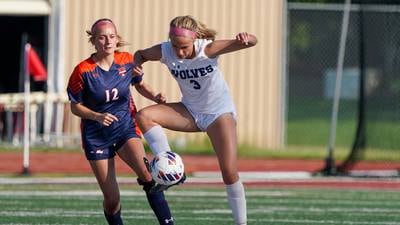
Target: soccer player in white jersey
191, 56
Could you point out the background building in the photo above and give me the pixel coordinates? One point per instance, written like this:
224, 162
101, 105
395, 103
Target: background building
255, 76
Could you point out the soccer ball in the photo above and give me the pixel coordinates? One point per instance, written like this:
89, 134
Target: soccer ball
167, 168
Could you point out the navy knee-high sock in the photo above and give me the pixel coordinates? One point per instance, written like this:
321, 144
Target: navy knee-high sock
158, 203
114, 219
160, 207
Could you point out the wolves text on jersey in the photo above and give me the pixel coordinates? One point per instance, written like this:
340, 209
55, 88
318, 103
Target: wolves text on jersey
192, 73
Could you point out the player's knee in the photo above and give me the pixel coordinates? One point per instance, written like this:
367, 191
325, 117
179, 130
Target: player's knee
139, 115
143, 116
230, 177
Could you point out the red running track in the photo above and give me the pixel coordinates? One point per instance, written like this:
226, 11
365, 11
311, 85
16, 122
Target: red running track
74, 163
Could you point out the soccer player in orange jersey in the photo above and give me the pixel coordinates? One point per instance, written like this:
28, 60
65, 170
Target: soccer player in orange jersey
99, 91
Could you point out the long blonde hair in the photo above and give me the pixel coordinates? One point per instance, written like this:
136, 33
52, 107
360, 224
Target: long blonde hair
188, 22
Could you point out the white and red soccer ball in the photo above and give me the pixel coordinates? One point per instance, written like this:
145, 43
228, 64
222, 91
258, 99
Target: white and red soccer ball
167, 168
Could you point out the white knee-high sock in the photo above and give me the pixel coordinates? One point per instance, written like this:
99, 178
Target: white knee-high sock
237, 202
157, 140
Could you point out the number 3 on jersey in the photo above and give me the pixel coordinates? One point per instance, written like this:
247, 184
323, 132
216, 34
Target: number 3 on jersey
196, 84
113, 95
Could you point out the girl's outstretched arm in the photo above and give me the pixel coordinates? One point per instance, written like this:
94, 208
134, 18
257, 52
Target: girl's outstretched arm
145, 90
148, 54
219, 47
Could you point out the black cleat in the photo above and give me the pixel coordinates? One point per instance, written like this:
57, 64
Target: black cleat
161, 187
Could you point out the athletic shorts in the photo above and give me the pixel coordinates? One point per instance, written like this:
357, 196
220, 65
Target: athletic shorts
203, 120
109, 152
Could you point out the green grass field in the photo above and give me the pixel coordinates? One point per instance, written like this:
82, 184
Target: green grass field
81, 204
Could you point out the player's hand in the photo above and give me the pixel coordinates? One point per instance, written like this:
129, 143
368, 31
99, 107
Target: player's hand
106, 119
160, 98
137, 70
243, 37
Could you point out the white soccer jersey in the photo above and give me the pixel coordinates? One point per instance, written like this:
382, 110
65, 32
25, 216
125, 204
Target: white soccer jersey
202, 84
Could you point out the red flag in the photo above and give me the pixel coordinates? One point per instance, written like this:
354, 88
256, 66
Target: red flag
36, 67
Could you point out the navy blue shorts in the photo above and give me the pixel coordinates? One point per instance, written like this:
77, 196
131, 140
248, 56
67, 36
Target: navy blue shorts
109, 152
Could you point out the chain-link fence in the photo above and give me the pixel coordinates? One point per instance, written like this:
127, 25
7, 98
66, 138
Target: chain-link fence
369, 115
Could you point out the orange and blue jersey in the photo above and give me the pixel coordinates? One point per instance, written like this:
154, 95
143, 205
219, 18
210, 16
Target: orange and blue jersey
105, 91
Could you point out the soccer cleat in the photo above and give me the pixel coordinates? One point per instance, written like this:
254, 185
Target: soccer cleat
152, 186
161, 187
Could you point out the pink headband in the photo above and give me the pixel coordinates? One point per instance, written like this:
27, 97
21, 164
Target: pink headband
100, 22
177, 31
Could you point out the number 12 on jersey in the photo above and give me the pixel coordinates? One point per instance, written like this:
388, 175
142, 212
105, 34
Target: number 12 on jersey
114, 95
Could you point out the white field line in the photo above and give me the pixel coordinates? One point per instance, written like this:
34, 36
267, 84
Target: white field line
257, 175
375, 173
198, 177
205, 178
